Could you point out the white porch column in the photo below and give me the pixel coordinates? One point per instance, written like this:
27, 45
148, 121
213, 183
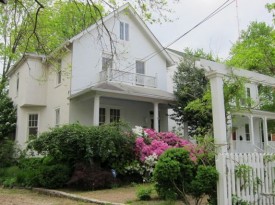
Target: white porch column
218, 110
96, 110
219, 125
265, 133
251, 125
156, 117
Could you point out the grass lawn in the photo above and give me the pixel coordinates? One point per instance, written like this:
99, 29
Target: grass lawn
26, 197
125, 195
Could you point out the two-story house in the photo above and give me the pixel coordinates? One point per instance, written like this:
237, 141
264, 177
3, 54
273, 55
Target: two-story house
92, 81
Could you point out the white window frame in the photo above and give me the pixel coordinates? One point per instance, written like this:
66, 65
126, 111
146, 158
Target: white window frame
124, 31
59, 72
108, 112
105, 115
114, 116
109, 58
17, 84
31, 126
57, 116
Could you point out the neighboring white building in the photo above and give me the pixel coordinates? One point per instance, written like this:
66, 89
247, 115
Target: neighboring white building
83, 81
247, 130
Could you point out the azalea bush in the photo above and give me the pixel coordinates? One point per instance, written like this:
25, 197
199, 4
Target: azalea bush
150, 145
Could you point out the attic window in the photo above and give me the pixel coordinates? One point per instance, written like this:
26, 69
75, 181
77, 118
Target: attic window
124, 31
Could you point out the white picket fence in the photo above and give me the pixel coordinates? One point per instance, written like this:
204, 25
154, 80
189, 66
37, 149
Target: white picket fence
256, 185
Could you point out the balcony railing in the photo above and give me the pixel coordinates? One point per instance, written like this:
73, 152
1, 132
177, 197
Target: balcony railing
130, 78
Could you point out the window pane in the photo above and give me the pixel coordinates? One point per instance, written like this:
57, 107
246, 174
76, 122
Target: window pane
59, 77
114, 115
57, 117
106, 63
121, 30
33, 124
140, 67
102, 115
126, 31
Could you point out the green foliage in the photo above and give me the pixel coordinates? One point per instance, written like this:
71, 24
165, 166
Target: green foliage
205, 182
144, 193
177, 176
193, 94
173, 174
255, 50
7, 115
8, 176
109, 145
8, 153
53, 176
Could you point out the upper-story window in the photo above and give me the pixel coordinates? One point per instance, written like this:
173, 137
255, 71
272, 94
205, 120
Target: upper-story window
107, 62
17, 83
124, 31
57, 117
140, 70
58, 73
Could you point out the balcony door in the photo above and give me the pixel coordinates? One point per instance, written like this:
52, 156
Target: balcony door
140, 72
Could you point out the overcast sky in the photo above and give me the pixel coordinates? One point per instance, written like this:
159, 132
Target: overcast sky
218, 33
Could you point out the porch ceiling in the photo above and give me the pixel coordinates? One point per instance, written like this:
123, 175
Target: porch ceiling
256, 113
120, 90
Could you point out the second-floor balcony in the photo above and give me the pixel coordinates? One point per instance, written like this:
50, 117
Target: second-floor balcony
128, 77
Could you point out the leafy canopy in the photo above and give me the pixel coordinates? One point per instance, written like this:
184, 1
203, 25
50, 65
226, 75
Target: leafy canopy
255, 50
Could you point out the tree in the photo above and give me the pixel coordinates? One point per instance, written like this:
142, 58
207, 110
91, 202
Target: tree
39, 25
7, 116
193, 94
51, 29
255, 50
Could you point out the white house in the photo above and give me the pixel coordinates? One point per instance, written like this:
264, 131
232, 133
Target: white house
249, 129
90, 81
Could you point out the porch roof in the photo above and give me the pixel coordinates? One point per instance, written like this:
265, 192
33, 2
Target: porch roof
120, 90
256, 113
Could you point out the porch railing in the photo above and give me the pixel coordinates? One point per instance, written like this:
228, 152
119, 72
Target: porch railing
127, 77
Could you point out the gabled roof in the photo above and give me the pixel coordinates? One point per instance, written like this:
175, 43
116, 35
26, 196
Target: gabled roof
130, 10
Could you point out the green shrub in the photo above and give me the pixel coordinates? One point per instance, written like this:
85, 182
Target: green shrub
8, 153
53, 176
8, 176
144, 193
177, 176
107, 145
173, 173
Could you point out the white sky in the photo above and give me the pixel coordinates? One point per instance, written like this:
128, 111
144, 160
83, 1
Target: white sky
218, 33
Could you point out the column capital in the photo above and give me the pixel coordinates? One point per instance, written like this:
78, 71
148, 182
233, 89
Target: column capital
213, 74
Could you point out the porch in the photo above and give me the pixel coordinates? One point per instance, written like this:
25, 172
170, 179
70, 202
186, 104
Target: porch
111, 102
252, 131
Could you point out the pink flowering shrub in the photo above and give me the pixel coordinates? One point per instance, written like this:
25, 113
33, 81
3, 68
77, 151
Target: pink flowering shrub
153, 142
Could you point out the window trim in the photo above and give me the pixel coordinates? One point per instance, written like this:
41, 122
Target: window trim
124, 31
17, 83
57, 117
28, 123
107, 56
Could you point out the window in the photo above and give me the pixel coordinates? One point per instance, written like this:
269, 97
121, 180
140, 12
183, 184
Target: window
247, 132
57, 117
107, 62
124, 31
33, 124
58, 73
114, 115
17, 83
140, 70
248, 95
102, 116
58, 77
